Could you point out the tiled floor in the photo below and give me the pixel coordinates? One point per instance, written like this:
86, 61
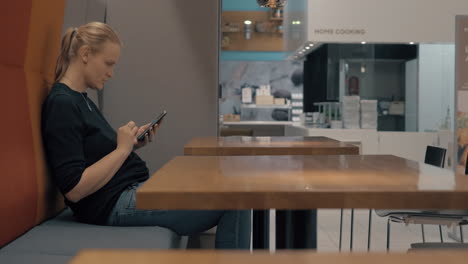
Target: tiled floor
329, 230
401, 236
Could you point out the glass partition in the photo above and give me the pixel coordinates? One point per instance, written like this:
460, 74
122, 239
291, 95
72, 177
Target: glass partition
411, 86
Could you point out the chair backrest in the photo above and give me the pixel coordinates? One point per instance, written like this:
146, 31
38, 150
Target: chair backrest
435, 156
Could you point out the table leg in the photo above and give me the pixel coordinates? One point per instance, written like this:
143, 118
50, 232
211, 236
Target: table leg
296, 229
261, 229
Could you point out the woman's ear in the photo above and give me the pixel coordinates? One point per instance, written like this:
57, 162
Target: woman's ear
84, 53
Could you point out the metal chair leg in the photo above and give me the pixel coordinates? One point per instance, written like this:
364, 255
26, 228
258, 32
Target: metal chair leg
440, 232
341, 229
369, 231
454, 234
423, 235
352, 231
461, 234
388, 234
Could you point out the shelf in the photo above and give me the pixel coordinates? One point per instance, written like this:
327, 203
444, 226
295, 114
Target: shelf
260, 123
259, 41
389, 115
265, 106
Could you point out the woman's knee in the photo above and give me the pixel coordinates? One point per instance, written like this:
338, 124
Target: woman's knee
193, 222
238, 217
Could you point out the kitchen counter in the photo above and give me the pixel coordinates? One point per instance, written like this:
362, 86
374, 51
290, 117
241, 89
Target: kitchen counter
408, 145
282, 123
260, 128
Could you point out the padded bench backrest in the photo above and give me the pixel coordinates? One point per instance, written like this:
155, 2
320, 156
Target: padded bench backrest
31, 31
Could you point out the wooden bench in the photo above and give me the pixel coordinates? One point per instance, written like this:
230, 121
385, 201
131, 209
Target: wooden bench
30, 230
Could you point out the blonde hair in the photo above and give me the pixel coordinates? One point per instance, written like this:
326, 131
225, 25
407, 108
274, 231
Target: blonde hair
93, 34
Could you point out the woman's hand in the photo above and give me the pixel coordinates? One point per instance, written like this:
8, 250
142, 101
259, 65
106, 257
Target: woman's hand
148, 137
127, 137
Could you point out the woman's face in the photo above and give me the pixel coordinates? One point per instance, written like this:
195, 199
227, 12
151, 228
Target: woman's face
100, 65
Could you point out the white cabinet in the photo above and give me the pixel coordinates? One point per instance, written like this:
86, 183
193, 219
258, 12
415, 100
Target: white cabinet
366, 137
409, 145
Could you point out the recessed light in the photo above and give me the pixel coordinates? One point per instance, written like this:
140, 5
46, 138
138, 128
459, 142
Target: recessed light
363, 42
411, 43
247, 22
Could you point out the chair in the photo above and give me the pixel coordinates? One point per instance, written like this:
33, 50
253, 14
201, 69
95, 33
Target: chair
434, 156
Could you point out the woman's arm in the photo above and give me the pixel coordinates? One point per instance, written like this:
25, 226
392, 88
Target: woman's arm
101, 172
97, 175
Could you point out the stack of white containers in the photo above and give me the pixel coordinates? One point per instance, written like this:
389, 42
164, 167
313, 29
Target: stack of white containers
369, 114
350, 111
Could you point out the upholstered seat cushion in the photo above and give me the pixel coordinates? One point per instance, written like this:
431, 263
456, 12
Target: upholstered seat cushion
9, 257
64, 236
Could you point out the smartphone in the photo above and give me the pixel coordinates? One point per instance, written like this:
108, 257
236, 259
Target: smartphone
158, 120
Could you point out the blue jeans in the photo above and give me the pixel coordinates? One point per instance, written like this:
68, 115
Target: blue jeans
233, 231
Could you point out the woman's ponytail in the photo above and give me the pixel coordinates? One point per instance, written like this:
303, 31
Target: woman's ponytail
63, 59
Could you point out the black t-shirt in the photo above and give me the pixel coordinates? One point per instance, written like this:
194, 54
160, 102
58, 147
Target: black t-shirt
76, 135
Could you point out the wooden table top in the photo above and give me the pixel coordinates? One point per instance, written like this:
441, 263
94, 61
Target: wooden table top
302, 182
297, 257
230, 146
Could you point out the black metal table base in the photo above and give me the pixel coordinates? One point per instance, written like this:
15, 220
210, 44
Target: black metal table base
296, 229
261, 229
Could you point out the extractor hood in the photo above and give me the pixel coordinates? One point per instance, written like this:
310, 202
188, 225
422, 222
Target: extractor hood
308, 23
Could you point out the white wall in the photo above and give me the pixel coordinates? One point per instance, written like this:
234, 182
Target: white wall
169, 61
436, 86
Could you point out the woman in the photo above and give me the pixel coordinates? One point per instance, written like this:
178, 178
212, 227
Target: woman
94, 166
